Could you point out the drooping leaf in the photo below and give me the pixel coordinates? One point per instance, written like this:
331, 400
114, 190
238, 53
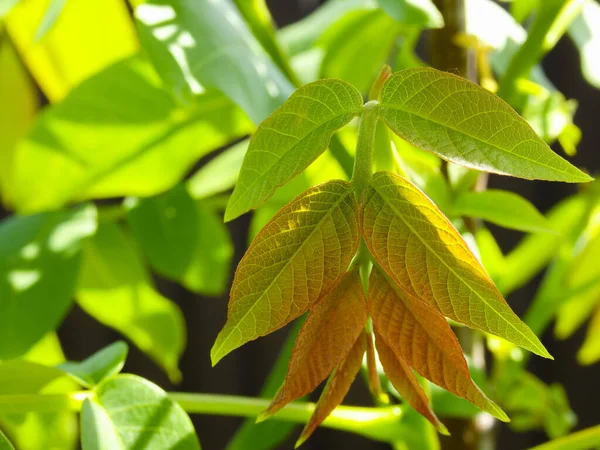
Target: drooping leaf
116, 290
336, 388
77, 47
182, 240
5, 443
298, 257
329, 333
589, 353
112, 135
417, 13
405, 382
198, 44
421, 338
466, 124
585, 32
427, 259
503, 208
128, 412
39, 265
290, 139
101, 365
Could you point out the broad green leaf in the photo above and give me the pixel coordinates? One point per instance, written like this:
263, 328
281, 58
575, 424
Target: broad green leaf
581, 440
407, 235
128, 412
17, 111
25, 377
290, 139
357, 45
116, 290
589, 353
466, 124
77, 47
219, 174
283, 272
39, 265
5, 443
198, 44
336, 388
101, 365
183, 241
112, 135
503, 208
418, 13
405, 323
331, 330
585, 32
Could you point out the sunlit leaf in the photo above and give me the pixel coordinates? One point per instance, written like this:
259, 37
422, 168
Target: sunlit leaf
50, 16
25, 377
198, 44
585, 32
336, 388
116, 290
103, 364
331, 330
182, 240
421, 338
491, 254
290, 139
418, 13
549, 114
589, 353
6, 6
128, 412
76, 47
409, 237
39, 265
503, 208
466, 124
113, 134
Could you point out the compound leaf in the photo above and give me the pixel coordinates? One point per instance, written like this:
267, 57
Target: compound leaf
298, 257
427, 259
290, 139
466, 124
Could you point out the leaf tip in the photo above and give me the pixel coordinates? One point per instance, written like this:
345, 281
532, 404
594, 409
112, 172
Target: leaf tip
263, 416
301, 440
441, 428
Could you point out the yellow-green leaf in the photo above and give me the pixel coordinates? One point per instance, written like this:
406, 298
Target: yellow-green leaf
589, 352
426, 258
466, 124
298, 257
290, 139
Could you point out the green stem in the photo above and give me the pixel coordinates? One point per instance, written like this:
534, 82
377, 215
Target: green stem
382, 424
582, 440
363, 162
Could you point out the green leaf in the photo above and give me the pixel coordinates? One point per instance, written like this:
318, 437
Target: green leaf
418, 13
468, 125
549, 114
585, 32
198, 44
128, 412
5, 443
183, 240
357, 45
49, 19
581, 440
219, 174
503, 208
101, 365
25, 377
290, 139
39, 264
115, 289
407, 235
589, 352
491, 255
112, 135
283, 272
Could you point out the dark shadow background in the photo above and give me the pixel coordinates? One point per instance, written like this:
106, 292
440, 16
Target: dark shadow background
244, 371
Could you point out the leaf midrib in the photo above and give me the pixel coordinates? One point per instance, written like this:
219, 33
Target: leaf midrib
450, 268
289, 261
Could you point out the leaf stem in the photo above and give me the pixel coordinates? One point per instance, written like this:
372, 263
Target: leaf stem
363, 162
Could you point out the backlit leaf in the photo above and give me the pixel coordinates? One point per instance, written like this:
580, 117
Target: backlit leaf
426, 258
115, 289
421, 338
290, 139
101, 365
119, 133
198, 44
39, 264
585, 32
466, 124
503, 208
331, 330
589, 352
418, 13
336, 388
299, 256
128, 412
